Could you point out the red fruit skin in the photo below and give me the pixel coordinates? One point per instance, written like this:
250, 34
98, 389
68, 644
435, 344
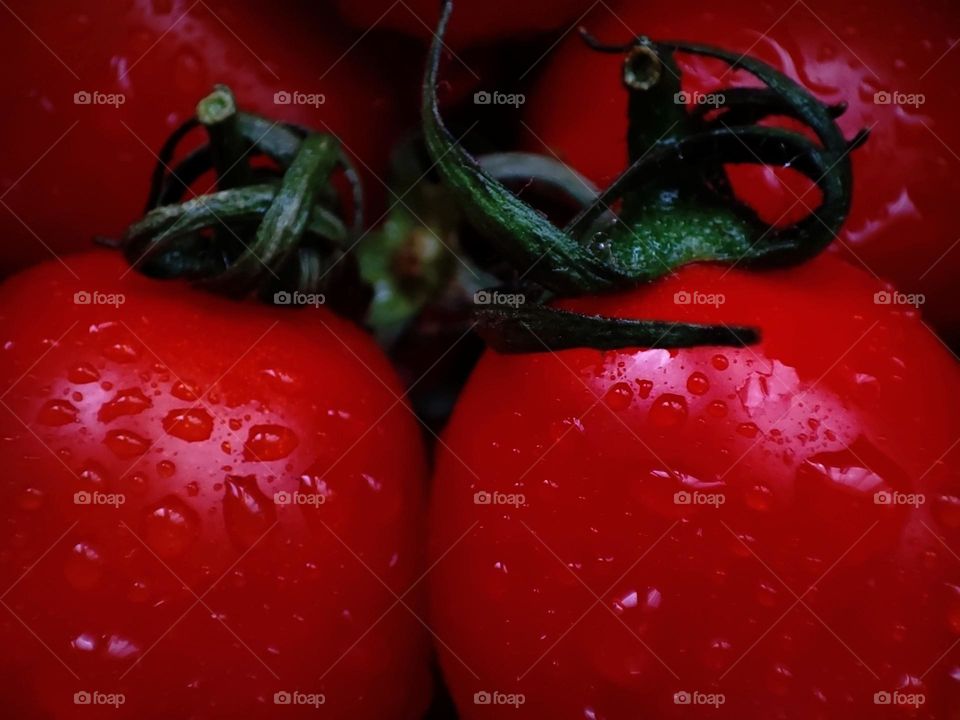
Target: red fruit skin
93, 162
292, 597
902, 226
599, 592
475, 22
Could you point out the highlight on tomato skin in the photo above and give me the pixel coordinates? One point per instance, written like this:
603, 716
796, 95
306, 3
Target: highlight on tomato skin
757, 532
888, 62
209, 507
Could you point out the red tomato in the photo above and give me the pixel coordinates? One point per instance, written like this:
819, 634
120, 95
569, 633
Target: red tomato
159, 58
902, 225
771, 531
205, 504
476, 22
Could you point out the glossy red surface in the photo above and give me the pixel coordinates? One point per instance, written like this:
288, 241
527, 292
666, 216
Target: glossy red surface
708, 520
271, 485
903, 224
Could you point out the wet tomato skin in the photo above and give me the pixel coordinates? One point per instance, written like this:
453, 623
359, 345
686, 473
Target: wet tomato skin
888, 62
92, 161
270, 505
623, 526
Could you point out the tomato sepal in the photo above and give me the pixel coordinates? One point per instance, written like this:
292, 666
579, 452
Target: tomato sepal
539, 328
264, 229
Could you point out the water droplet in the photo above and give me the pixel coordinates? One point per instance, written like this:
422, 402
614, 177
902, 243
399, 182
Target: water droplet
719, 654
126, 443
103, 327
279, 380
135, 483
668, 411
121, 352
185, 390
860, 468
126, 402
269, 442
779, 679
83, 373
372, 482
247, 512
953, 608
717, 409
170, 527
31, 498
626, 602
698, 384
235, 424
618, 397
166, 468
93, 475
138, 592
645, 386
57, 412
771, 392
720, 362
946, 510
748, 429
560, 428
759, 498
314, 485
84, 642
121, 648
84, 566
190, 424
767, 594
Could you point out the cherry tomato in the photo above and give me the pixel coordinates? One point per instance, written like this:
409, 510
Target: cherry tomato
889, 62
99, 86
478, 21
764, 532
209, 508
